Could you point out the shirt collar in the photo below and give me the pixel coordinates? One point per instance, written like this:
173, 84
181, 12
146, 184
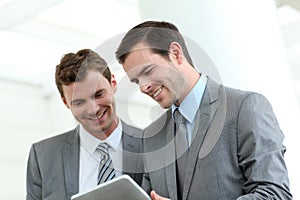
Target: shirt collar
90, 142
190, 104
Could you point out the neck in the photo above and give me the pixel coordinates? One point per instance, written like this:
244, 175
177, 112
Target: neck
104, 134
191, 79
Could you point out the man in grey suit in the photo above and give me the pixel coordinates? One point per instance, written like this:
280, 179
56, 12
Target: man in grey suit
66, 164
234, 144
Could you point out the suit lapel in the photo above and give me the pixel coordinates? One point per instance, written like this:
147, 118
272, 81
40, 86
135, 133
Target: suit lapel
128, 164
204, 116
216, 125
132, 159
71, 163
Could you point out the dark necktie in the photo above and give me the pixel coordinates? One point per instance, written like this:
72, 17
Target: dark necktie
182, 149
106, 170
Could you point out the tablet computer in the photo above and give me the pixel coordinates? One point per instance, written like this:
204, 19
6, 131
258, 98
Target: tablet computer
122, 187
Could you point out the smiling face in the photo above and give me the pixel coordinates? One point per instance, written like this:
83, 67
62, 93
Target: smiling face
157, 76
92, 103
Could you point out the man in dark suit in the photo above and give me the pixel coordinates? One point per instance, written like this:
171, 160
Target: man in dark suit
229, 145
69, 163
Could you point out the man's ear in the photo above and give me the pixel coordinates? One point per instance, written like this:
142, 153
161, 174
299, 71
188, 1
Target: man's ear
113, 82
176, 54
65, 102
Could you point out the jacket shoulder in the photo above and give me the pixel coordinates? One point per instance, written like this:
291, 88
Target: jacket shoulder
57, 141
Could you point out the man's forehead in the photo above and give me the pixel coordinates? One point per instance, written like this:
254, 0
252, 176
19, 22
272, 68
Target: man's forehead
79, 89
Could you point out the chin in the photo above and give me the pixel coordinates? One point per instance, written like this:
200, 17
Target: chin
165, 106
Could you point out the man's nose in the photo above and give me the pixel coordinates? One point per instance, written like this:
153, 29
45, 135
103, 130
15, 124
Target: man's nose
93, 107
145, 87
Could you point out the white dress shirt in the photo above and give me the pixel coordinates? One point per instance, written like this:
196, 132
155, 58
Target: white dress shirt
89, 158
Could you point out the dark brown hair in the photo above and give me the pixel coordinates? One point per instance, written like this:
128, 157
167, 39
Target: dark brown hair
157, 35
73, 68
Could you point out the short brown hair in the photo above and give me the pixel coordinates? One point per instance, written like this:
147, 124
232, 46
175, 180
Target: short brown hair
157, 35
73, 68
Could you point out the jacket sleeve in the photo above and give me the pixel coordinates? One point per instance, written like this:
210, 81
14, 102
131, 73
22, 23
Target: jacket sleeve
146, 184
260, 151
34, 180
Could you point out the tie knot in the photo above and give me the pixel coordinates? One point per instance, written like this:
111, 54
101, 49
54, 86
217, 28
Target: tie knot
103, 148
178, 117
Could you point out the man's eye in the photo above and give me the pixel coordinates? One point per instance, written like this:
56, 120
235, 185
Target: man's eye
136, 81
76, 103
148, 71
98, 95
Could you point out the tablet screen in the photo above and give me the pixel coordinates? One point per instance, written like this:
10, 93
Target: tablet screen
122, 187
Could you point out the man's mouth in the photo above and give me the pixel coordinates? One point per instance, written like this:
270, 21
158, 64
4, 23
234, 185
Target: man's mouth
98, 115
101, 115
157, 92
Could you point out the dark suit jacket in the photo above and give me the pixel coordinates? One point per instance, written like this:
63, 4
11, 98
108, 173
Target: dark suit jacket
236, 150
53, 164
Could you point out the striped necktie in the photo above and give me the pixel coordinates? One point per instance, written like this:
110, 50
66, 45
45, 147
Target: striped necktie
106, 170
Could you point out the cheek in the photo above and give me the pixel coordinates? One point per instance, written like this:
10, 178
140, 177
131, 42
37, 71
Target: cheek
158, 77
108, 100
167, 75
77, 111
165, 78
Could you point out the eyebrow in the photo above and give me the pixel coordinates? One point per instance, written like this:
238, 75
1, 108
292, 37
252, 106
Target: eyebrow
145, 67
101, 90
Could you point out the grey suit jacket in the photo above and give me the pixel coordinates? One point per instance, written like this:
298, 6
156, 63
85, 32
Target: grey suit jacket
236, 151
53, 164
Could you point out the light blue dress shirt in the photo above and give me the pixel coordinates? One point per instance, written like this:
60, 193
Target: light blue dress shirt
190, 104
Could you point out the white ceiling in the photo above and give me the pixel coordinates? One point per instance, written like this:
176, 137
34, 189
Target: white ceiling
34, 34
